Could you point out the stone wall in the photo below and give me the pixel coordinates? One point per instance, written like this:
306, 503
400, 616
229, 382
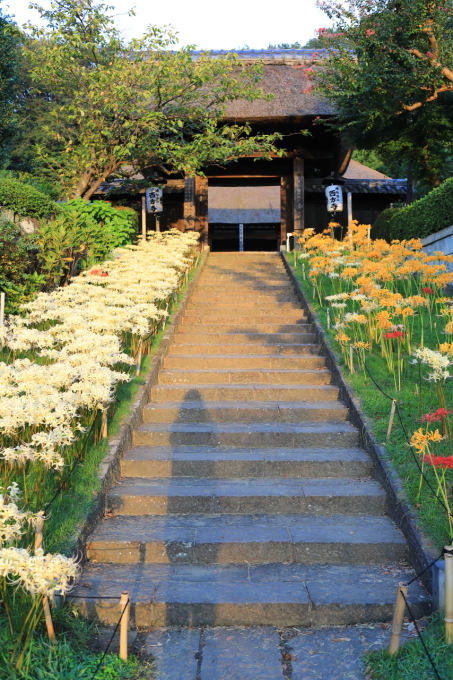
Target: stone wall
26, 224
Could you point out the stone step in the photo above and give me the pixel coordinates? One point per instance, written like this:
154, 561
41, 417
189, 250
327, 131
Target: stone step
238, 392
236, 361
246, 281
224, 462
231, 595
259, 298
250, 288
265, 320
251, 539
246, 275
139, 496
242, 325
326, 433
244, 412
274, 376
242, 309
179, 347
235, 338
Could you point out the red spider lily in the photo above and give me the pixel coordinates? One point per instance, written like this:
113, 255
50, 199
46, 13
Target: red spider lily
440, 414
439, 461
394, 334
428, 291
443, 412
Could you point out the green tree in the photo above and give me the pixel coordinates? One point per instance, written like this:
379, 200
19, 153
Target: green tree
313, 43
9, 76
390, 76
285, 46
119, 107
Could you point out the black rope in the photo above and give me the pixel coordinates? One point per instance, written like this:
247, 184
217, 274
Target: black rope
425, 569
93, 597
417, 462
411, 616
111, 640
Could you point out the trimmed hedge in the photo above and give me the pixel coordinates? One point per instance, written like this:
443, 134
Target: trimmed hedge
381, 228
25, 200
429, 214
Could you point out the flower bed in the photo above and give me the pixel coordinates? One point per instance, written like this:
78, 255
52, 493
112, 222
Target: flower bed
387, 316
62, 364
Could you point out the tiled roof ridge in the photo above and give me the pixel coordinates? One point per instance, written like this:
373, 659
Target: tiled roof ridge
277, 55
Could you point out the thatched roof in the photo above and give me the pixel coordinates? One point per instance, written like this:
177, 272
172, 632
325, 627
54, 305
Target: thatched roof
283, 76
357, 170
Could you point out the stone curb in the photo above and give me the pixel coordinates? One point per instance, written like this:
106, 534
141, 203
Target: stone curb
109, 468
420, 550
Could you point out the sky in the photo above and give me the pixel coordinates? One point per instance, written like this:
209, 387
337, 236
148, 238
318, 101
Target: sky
210, 24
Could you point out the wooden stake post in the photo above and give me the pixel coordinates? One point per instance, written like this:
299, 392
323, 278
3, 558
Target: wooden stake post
397, 624
392, 416
104, 424
124, 624
144, 218
45, 600
448, 558
139, 359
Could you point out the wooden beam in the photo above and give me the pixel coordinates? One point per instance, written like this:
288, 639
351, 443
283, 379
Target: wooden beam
189, 203
285, 201
201, 208
299, 195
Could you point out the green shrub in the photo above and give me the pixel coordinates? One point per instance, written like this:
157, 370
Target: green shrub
19, 279
81, 234
381, 228
429, 214
25, 199
118, 223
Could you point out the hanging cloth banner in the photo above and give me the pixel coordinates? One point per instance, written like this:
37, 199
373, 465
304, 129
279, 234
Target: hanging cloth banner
334, 197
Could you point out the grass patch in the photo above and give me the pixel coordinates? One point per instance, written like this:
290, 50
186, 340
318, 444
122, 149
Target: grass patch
71, 658
411, 662
415, 398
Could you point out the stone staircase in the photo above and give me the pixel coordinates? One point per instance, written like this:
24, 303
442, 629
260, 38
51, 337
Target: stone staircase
246, 498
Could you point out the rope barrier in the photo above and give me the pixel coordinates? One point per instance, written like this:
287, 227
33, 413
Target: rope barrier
428, 483
111, 640
425, 648
94, 597
425, 569
398, 412
417, 576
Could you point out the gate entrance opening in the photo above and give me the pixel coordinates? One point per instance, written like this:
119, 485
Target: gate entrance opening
240, 205
225, 237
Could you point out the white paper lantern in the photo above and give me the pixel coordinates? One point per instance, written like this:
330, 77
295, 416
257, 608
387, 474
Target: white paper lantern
154, 200
334, 197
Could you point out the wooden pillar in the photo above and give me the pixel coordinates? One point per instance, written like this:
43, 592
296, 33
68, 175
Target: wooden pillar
201, 209
299, 195
189, 203
285, 209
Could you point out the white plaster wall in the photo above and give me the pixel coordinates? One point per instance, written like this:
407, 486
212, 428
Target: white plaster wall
248, 205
